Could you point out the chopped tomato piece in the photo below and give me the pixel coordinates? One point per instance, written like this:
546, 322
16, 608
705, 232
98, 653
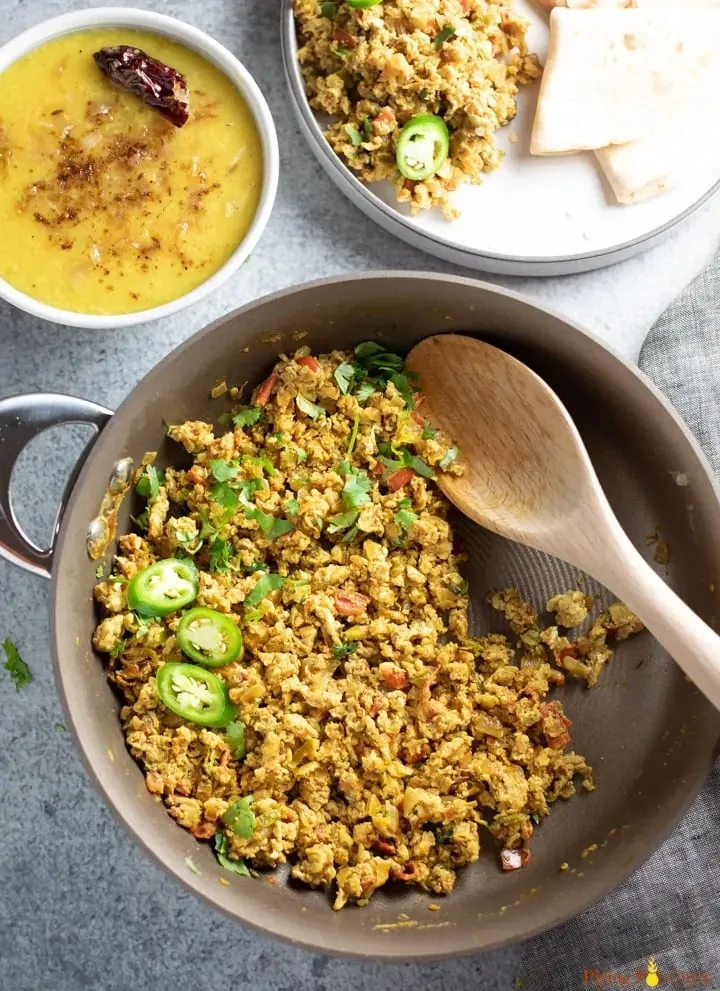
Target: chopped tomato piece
265, 390
571, 651
555, 725
204, 830
351, 603
309, 362
406, 872
418, 402
393, 676
345, 38
409, 184
399, 478
513, 860
377, 468
415, 752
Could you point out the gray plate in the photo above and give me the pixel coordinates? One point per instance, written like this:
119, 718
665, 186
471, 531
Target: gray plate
395, 223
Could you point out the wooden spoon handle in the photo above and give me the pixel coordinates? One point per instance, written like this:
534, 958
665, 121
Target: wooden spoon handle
688, 640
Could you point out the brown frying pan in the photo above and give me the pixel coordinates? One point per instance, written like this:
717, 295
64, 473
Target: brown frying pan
645, 728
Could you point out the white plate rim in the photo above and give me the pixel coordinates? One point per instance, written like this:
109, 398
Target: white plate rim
389, 218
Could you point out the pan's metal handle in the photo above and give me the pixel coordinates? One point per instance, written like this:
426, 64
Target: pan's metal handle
21, 419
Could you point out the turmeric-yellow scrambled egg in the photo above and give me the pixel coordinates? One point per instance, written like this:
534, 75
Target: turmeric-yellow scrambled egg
373, 739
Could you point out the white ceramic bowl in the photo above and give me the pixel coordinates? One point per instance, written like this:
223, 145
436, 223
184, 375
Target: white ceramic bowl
213, 51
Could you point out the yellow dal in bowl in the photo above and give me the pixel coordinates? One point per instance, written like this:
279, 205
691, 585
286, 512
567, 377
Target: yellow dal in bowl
105, 207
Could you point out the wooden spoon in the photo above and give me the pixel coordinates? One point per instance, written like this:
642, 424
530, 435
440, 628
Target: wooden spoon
529, 477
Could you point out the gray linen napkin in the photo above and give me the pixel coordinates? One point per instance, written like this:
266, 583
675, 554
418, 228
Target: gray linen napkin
669, 907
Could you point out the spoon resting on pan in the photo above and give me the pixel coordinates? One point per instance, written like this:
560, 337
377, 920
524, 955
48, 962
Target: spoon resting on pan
529, 478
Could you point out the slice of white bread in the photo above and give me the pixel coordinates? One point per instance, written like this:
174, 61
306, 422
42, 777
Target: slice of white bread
617, 76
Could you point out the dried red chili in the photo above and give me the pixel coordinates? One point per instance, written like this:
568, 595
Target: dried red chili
160, 86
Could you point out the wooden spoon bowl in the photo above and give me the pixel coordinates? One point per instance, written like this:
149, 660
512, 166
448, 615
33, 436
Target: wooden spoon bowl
529, 478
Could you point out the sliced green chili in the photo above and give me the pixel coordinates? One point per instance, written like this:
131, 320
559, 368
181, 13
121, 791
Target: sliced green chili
163, 587
209, 637
194, 694
422, 147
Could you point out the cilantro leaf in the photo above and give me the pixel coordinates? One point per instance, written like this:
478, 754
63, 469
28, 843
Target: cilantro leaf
344, 375
117, 648
405, 516
402, 458
240, 817
223, 471
354, 135
373, 357
402, 384
446, 34
225, 496
449, 457
365, 390
429, 433
18, 670
235, 736
301, 455
221, 852
211, 525
350, 535
309, 409
342, 650
219, 555
247, 417
192, 866
143, 626
353, 436
328, 9
419, 465
253, 615
366, 128
356, 488
271, 526
461, 589
149, 482
100, 571
265, 585
342, 521
292, 506
263, 462
142, 521
340, 52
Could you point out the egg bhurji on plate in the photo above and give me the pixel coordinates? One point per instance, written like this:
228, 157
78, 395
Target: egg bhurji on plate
375, 68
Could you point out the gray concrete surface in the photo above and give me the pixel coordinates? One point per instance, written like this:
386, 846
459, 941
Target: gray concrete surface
80, 906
